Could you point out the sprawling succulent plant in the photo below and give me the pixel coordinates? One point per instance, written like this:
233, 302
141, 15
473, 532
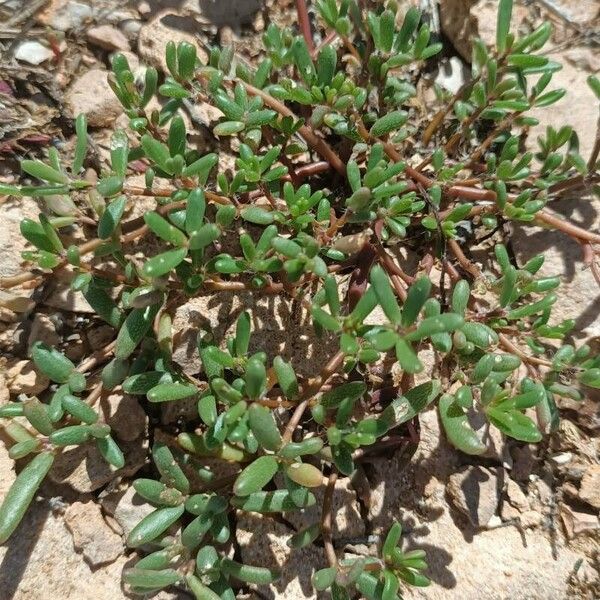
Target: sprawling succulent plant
323, 191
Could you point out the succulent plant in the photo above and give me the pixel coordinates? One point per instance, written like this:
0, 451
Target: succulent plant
324, 188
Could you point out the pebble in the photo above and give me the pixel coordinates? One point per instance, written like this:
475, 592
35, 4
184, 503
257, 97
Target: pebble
107, 37
589, 490
33, 53
23, 378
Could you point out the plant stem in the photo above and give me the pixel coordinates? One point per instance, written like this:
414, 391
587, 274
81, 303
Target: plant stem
304, 24
327, 520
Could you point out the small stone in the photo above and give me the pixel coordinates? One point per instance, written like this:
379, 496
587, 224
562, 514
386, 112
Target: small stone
74, 349
165, 27
33, 52
85, 470
64, 16
125, 416
23, 378
127, 508
107, 37
62, 297
589, 490
91, 535
474, 492
516, 496
452, 74
562, 458
144, 8
91, 95
577, 523
43, 330
98, 337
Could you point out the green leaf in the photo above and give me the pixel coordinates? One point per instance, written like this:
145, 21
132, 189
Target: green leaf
186, 60
164, 230
594, 84
55, 365
255, 476
503, 24
79, 409
304, 474
457, 427
256, 378
109, 186
591, 377
134, 329
306, 446
347, 392
228, 128
248, 573
417, 294
153, 525
385, 294
168, 392
257, 215
38, 169
286, 377
199, 590
156, 151
434, 325
389, 122
72, 435
324, 578
204, 236
22, 492
111, 217
326, 64
80, 144
272, 502
263, 426
161, 264
531, 309
34, 233
151, 579
170, 471
408, 359
514, 424
111, 452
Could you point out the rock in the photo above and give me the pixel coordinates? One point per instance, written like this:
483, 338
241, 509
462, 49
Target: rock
65, 15
452, 74
348, 522
164, 27
91, 535
463, 20
11, 245
39, 562
100, 336
583, 57
578, 108
85, 470
263, 541
62, 297
589, 489
33, 52
43, 330
125, 415
126, 507
233, 14
23, 378
580, 12
474, 492
91, 95
186, 409
107, 37
516, 496
576, 522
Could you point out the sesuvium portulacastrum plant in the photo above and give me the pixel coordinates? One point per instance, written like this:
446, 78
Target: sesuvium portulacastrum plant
324, 187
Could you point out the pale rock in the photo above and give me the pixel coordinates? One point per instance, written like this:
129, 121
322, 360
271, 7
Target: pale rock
85, 470
124, 414
463, 20
452, 74
589, 489
581, 12
579, 108
347, 520
165, 27
91, 535
62, 297
126, 507
7, 470
516, 496
4, 391
23, 378
107, 37
91, 95
39, 563
263, 542
583, 57
43, 330
74, 348
577, 523
64, 15
33, 52
12, 244
474, 492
